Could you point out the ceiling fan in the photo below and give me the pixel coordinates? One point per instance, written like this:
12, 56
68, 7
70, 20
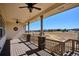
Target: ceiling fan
30, 6
16, 21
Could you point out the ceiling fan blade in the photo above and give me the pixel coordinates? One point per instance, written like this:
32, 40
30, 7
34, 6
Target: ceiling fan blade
23, 7
30, 3
34, 3
30, 10
37, 8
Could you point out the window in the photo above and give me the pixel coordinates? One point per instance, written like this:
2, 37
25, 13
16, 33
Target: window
2, 29
0, 33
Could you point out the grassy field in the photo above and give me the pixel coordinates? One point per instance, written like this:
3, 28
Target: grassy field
53, 40
59, 35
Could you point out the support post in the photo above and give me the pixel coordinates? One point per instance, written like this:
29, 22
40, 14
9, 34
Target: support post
41, 38
62, 48
28, 27
28, 35
41, 31
73, 46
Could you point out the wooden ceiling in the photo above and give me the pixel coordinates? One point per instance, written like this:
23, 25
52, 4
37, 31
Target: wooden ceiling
11, 11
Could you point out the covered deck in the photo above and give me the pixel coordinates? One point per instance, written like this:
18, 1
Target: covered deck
19, 43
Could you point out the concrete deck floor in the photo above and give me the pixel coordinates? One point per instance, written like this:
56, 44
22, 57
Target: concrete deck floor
17, 47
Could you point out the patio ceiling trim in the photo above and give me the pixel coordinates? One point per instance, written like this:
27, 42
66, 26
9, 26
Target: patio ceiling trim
62, 8
56, 6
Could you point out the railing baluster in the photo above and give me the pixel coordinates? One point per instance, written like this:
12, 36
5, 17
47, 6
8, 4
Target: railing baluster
73, 45
62, 48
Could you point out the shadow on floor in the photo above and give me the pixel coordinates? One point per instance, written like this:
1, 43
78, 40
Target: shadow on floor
6, 49
33, 51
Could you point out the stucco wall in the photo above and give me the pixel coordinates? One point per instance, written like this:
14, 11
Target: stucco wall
10, 33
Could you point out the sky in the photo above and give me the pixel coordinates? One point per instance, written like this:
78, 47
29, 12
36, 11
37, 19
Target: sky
65, 20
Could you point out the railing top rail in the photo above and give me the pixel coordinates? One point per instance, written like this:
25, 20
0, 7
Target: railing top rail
53, 40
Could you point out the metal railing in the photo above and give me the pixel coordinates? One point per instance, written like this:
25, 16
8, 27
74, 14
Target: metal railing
34, 39
53, 46
68, 45
76, 45
56, 46
72, 45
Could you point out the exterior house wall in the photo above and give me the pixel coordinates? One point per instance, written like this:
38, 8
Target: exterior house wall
11, 34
